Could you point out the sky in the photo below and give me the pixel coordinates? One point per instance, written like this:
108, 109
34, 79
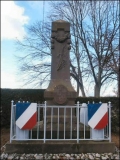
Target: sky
15, 15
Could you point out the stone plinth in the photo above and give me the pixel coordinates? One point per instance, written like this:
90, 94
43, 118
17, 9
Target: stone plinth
54, 147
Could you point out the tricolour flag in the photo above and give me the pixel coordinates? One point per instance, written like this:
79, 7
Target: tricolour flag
26, 115
97, 115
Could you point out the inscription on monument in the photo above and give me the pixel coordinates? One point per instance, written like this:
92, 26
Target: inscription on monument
60, 94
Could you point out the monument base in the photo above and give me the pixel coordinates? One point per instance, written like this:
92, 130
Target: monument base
60, 146
60, 92
54, 147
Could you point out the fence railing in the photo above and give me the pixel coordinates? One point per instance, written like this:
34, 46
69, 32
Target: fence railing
42, 110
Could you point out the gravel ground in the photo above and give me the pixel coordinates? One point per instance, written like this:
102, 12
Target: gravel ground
61, 156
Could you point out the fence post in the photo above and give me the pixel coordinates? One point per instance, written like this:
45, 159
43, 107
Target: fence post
71, 125
78, 122
109, 105
38, 119
11, 121
45, 122
58, 125
51, 121
64, 120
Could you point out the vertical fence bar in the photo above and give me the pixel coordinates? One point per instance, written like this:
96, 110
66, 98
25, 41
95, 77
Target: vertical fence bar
14, 119
104, 133
58, 125
64, 121
38, 109
51, 120
45, 122
109, 104
31, 134
84, 122
11, 121
39, 120
78, 122
108, 128
71, 125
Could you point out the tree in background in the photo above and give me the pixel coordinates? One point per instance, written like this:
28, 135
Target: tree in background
36, 62
94, 28
96, 25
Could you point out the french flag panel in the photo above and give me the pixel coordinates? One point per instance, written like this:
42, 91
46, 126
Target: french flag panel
26, 115
97, 115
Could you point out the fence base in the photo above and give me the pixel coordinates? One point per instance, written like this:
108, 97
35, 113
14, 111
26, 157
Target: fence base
59, 147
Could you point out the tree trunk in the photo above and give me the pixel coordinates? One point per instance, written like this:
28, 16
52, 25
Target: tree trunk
82, 91
118, 95
97, 91
77, 90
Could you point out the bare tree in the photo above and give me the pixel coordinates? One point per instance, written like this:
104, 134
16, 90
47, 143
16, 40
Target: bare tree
104, 18
96, 26
114, 65
37, 59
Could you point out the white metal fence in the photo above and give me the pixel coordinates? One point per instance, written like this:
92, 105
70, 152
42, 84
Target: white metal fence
78, 106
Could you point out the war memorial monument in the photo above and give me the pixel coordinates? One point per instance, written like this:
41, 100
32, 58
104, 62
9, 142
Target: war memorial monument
60, 93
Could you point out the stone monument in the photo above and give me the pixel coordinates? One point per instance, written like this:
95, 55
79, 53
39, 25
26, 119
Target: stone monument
60, 90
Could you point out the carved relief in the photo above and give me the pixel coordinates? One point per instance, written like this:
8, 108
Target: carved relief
60, 94
60, 36
62, 58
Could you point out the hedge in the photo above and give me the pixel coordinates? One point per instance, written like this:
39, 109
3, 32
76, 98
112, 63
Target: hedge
37, 95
